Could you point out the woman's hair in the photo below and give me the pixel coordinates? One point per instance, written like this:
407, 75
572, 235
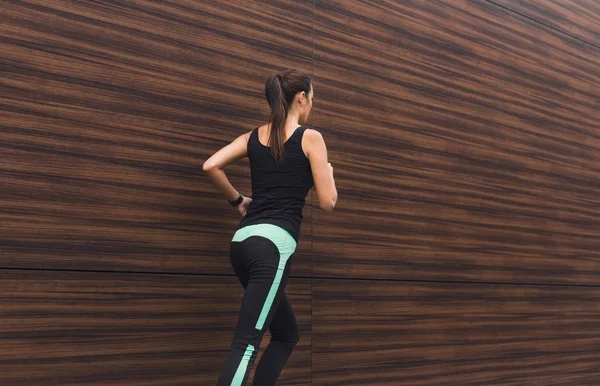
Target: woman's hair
280, 90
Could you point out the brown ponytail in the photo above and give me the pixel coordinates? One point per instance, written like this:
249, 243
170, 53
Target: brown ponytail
280, 90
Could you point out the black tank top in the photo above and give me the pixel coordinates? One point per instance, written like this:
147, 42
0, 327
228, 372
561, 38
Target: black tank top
278, 191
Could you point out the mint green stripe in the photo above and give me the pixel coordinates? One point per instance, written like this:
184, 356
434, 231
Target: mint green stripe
285, 244
271, 296
240, 373
277, 235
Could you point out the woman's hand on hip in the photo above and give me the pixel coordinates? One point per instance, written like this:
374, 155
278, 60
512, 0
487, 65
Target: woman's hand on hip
243, 207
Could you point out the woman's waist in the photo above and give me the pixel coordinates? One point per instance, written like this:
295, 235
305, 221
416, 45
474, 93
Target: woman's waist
276, 201
290, 224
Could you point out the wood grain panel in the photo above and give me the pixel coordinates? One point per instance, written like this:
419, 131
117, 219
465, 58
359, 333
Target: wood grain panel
580, 18
465, 144
67, 328
109, 110
400, 333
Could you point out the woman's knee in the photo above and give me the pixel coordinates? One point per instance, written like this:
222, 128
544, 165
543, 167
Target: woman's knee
289, 338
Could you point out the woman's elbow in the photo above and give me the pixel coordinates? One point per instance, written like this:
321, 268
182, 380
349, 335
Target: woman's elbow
328, 205
208, 166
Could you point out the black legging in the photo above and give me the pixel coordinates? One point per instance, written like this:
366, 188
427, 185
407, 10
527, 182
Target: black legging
256, 260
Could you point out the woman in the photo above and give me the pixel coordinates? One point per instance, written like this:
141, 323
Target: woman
286, 161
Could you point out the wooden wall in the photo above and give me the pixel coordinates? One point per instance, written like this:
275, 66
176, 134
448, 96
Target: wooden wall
465, 248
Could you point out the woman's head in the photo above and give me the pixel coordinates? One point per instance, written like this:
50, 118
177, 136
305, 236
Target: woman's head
288, 92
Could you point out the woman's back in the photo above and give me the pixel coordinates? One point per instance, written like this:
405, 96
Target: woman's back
278, 190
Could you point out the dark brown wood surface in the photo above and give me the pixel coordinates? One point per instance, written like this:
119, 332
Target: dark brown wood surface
67, 328
579, 18
399, 333
465, 142
109, 110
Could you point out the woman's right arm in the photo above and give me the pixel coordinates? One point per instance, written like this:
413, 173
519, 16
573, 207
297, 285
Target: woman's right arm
322, 171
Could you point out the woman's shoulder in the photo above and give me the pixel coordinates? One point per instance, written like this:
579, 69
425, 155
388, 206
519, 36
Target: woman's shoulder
312, 135
312, 140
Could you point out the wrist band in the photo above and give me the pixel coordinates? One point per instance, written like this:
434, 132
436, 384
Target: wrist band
238, 201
